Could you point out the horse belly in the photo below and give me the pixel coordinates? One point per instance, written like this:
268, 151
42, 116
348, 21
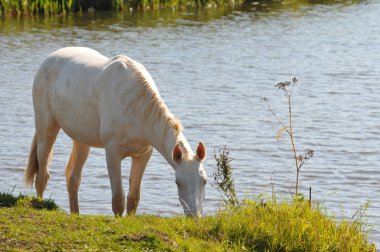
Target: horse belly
74, 108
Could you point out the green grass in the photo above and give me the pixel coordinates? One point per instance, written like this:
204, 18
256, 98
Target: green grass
17, 8
8, 200
252, 227
63, 7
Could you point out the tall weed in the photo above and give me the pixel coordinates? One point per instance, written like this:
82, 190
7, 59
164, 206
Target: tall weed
287, 127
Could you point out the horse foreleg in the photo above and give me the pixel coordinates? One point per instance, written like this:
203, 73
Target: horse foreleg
114, 171
137, 171
73, 172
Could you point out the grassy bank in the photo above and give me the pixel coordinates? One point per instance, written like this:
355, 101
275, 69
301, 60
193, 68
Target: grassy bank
252, 227
63, 7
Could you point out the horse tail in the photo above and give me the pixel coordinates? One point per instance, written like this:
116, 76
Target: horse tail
32, 167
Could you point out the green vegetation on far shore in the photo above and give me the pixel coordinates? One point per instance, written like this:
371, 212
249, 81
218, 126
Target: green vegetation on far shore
253, 226
17, 8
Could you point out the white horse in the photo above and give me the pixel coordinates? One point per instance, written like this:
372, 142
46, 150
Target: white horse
111, 103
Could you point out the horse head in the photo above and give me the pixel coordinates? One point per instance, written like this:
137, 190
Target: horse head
190, 179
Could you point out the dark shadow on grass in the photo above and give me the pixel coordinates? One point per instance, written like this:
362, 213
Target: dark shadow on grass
9, 200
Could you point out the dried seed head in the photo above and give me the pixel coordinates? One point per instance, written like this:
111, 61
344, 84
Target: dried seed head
309, 154
283, 85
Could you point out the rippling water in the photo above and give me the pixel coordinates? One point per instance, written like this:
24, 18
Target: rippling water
212, 71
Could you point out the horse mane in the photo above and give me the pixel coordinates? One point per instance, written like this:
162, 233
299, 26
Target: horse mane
147, 101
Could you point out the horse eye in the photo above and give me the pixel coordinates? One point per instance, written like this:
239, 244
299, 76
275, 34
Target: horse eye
205, 181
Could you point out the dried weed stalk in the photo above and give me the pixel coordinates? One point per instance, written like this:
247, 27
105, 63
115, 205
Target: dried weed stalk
287, 87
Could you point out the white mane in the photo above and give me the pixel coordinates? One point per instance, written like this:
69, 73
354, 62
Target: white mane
147, 102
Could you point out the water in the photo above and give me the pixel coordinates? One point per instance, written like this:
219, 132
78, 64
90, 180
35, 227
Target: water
212, 69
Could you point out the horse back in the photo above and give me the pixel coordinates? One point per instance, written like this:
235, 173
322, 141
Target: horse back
95, 99
64, 90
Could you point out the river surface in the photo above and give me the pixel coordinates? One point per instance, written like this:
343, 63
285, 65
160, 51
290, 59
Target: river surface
212, 69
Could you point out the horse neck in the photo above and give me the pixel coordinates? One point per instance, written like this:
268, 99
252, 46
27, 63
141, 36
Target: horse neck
165, 145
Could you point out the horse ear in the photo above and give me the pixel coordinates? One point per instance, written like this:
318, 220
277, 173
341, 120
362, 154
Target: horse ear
177, 154
201, 151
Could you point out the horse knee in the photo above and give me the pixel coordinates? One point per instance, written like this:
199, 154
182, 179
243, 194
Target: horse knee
118, 205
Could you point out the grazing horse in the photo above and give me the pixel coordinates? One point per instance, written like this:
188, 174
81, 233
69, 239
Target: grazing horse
110, 103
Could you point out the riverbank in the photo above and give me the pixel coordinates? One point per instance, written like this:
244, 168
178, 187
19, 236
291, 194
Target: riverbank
255, 226
12, 8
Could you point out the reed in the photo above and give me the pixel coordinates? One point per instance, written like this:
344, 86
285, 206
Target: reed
33, 7
63, 7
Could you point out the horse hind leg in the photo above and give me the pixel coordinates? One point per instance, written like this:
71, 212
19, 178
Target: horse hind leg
73, 172
45, 141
